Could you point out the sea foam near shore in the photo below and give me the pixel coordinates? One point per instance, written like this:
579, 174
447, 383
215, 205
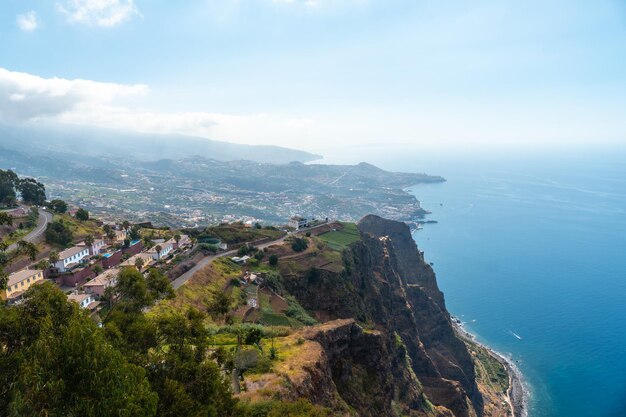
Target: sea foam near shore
519, 392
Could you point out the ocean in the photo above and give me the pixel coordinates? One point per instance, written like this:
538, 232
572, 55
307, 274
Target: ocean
530, 251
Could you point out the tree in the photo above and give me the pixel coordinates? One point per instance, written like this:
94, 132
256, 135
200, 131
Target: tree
134, 233
147, 242
139, 263
3, 245
177, 238
299, 244
6, 218
27, 248
59, 233
111, 236
273, 260
58, 206
158, 249
55, 350
42, 264
125, 225
8, 181
97, 269
89, 240
53, 257
32, 191
82, 214
159, 285
4, 277
219, 304
188, 383
133, 290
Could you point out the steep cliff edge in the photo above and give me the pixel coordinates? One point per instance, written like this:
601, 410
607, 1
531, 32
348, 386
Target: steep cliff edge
386, 286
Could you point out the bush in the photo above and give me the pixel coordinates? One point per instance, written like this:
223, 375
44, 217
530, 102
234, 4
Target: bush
273, 260
58, 233
299, 244
82, 214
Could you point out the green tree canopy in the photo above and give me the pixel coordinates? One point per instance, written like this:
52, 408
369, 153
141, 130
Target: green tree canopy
82, 214
59, 233
32, 191
57, 362
58, 206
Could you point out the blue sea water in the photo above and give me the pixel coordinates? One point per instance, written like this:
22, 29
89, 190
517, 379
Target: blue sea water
535, 246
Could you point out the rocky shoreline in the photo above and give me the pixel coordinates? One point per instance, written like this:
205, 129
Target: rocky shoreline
518, 393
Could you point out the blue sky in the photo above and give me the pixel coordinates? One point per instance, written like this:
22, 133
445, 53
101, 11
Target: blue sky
322, 74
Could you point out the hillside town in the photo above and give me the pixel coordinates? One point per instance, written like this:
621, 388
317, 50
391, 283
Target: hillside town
87, 268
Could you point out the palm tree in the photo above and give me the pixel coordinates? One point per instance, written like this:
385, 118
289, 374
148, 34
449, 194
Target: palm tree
89, 240
111, 235
53, 257
125, 224
177, 238
158, 249
139, 262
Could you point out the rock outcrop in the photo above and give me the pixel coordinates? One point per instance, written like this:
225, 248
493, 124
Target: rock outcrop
411, 357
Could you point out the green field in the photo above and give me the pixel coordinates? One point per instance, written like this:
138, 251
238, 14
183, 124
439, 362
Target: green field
273, 319
340, 239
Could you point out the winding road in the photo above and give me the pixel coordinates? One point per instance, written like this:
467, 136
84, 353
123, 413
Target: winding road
178, 282
45, 217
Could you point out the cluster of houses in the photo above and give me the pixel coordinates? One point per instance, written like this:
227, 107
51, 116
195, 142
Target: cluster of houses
77, 266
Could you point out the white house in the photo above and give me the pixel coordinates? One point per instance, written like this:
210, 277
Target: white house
85, 301
70, 257
298, 222
166, 247
96, 248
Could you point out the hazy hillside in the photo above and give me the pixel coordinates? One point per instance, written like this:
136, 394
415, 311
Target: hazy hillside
143, 146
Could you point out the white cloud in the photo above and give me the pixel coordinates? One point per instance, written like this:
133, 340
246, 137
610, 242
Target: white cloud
27, 21
439, 124
105, 13
29, 97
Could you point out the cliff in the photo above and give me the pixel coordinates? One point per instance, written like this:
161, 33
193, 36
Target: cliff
387, 346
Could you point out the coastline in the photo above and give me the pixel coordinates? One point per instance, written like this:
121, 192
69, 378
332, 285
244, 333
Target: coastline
518, 394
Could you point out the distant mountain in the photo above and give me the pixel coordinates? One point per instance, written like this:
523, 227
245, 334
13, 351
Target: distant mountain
97, 142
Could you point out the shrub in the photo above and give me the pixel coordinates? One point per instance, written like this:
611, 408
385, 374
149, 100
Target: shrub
299, 244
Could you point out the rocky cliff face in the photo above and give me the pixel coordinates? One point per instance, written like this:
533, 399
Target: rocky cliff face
411, 358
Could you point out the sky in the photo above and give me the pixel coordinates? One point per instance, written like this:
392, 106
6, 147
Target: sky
323, 75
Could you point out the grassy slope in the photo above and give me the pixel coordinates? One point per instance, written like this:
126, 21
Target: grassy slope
341, 238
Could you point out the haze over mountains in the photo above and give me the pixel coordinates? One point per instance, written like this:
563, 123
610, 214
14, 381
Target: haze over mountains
91, 141
184, 181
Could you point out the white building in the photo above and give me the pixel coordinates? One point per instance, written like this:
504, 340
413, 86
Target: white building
71, 257
96, 248
166, 248
83, 300
298, 222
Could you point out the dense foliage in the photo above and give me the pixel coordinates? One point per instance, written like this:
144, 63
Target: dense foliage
82, 214
59, 233
32, 191
299, 244
58, 206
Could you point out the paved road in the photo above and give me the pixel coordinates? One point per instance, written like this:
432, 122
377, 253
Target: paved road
44, 218
178, 282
